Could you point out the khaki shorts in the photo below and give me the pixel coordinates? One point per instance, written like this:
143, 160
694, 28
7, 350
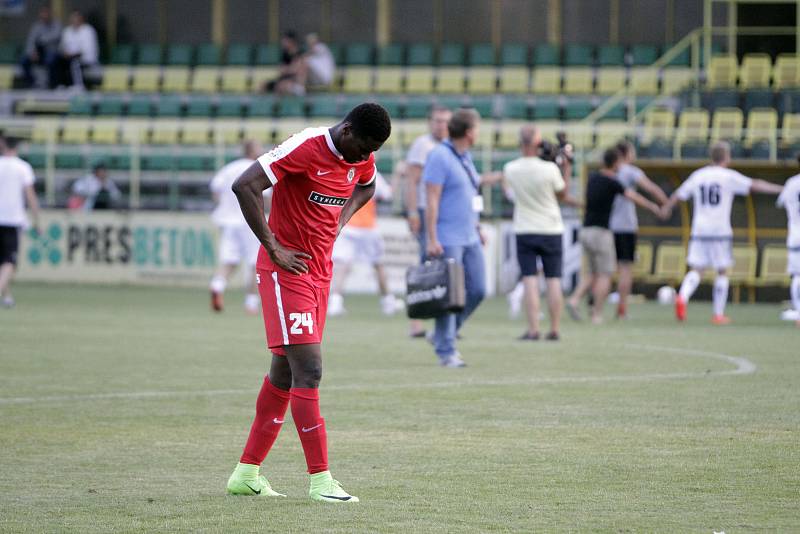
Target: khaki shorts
598, 248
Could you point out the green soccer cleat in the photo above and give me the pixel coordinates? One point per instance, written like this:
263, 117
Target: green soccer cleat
325, 488
245, 480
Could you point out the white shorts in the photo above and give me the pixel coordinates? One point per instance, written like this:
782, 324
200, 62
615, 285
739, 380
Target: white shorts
238, 243
714, 254
358, 245
793, 262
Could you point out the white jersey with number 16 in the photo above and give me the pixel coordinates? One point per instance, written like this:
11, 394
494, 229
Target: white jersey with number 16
790, 199
713, 188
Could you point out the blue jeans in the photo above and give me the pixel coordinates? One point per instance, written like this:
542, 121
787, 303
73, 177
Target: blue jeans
447, 326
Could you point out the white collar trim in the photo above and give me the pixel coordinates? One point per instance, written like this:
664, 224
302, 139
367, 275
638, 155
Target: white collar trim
331, 146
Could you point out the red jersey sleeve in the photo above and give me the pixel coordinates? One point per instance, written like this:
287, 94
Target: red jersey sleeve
369, 173
290, 157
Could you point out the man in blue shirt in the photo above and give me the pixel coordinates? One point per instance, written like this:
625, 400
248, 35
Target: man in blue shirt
451, 216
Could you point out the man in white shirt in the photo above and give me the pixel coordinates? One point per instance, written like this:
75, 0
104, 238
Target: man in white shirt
536, 188
320, 66
415, 189
16, 186
237, 243
790, 200
710, 246
96, 191
78, 50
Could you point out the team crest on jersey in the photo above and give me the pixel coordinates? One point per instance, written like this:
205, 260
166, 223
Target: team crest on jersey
326, 200
351, 174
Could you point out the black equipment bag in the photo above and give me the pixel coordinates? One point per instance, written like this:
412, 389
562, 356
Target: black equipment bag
435, 288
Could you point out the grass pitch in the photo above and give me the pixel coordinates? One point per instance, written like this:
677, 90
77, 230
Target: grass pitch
125, 409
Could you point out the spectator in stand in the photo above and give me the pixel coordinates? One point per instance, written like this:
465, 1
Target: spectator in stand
78, 51
95, 191
287, 82
41, 48
319, 67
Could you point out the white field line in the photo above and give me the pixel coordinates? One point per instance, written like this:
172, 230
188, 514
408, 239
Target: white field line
742, 366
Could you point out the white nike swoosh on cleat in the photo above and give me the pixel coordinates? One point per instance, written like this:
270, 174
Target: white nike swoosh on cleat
304, 429
320, 173
277, 421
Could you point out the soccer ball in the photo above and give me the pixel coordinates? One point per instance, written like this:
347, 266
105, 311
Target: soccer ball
666, 295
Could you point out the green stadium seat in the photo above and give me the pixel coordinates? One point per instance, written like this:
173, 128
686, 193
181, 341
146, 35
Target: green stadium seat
195, 163
484, 105
516, 107
578, 55
481, 54
69, 160
451, 55
268, 54
110, 106
239, 55
617, 113
712, 100
289, 106
546, 55
644, 54
122, 55
763, 98
337, 51
209, 54
158, 162
546, 108
324, 106
514, 54
262, 106
577, 109
140, 106
417, 107
391, 54
611, 56
179, 55
420, 54
683, 59
9, 53
358, 54
119, 162
80, 105
229, 107
393, 105
169, 106
150, 54
199, 106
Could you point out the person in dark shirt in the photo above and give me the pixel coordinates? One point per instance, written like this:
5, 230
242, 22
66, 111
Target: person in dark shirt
596, 239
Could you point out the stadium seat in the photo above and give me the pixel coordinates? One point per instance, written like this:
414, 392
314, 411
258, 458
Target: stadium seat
481, 54
179, 55
643, 263
772, 271
419, 80
790, 132
417, 107
80, 105
659, 124
484, 105
450, 80
110, 105
134, 131
758, 99
577, 108
258, 130
546, 108
755, 72
267, 54
9, 53
644, 81
726, 125
643, 55
76, 131
611, 56
693, 126
743, 271
514, 80
721, 98
285, 128
226, 132
391, 55
122, 54
209, 54
392, 104
546, 80
169, 106
146, 79
261, 106
609, 133
199, 106
149, 54
420, 54
786, 72
578, 80
508, 134
290, 106
235, 80
389, 80
546, 55
261, 76
229, 107
451, 55
578, 55
670, 264
195, 131
762, 125
69, 160
722, 72
158, 162
357, 80
481, 80
324, 106
205, 80
115, 79
676, 79
105, 131
358, 54
239, 55
165, 132
175, 80
140, 106
6, 77
514, 54
610, 80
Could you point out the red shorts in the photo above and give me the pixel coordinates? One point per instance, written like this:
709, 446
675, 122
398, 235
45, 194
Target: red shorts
294, 309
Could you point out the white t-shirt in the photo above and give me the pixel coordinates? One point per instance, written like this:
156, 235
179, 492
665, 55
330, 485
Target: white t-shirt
15, 176
321, 64
623, 211
81, 40
713, 188
90, 186
418, 155
535, 183
228, 212
790, 199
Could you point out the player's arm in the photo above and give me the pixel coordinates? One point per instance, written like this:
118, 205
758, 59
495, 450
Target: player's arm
491, 178
414, 174
643, 202
249, 189
650, 187
433, 194
361, 195
763, 186
33, 205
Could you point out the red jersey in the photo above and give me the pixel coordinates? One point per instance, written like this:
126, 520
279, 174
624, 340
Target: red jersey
311, 183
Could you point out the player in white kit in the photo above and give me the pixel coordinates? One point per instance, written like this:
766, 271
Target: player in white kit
713, 188
790, 200
237, 243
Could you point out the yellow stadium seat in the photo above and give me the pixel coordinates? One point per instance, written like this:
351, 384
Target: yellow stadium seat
419, 80
726, 125
258, 130
205, 80
411, 129
773, 266
762, 125
389, 80
722, 72
786, 72
175, 79
790, 133
146, 79
75, 131
481, 80
693, 125
227, 132
547, 80
745, 263
676, 79
285, 128
6, 76
514, 80
670, 263
580, 134
578, 80
44, 129
508, 134
115, 79
195, 131
486, 134
644, 81
357, 80
260, 77
643, 263
134, 131
235, 80
165, 132
105, 131
756, 71
609, 133
610, 80
548, 129
658, 124
450, 80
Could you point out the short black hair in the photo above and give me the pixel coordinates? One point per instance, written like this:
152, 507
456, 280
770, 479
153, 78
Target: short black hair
610, 157
624, 147
371, 121
10, 142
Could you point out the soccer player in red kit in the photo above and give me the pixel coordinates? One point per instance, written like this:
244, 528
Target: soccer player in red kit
320, 178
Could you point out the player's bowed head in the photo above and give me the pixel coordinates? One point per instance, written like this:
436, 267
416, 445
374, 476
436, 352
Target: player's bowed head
362, 132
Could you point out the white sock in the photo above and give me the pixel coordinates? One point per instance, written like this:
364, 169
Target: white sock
689, 285
795, 292
251, 301
218, 284
720, 294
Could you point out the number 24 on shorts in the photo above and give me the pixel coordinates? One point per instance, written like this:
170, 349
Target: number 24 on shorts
301, 321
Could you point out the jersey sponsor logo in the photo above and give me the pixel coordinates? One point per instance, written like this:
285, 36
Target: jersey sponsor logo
351, 174
326, 200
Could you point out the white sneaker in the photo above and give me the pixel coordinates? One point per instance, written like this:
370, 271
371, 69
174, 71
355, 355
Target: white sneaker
252, 303
336, 305
454, 361
391, 305
8, 302
790, 315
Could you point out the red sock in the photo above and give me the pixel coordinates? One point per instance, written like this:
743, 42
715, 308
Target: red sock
310, 427
270, 410
621, 310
